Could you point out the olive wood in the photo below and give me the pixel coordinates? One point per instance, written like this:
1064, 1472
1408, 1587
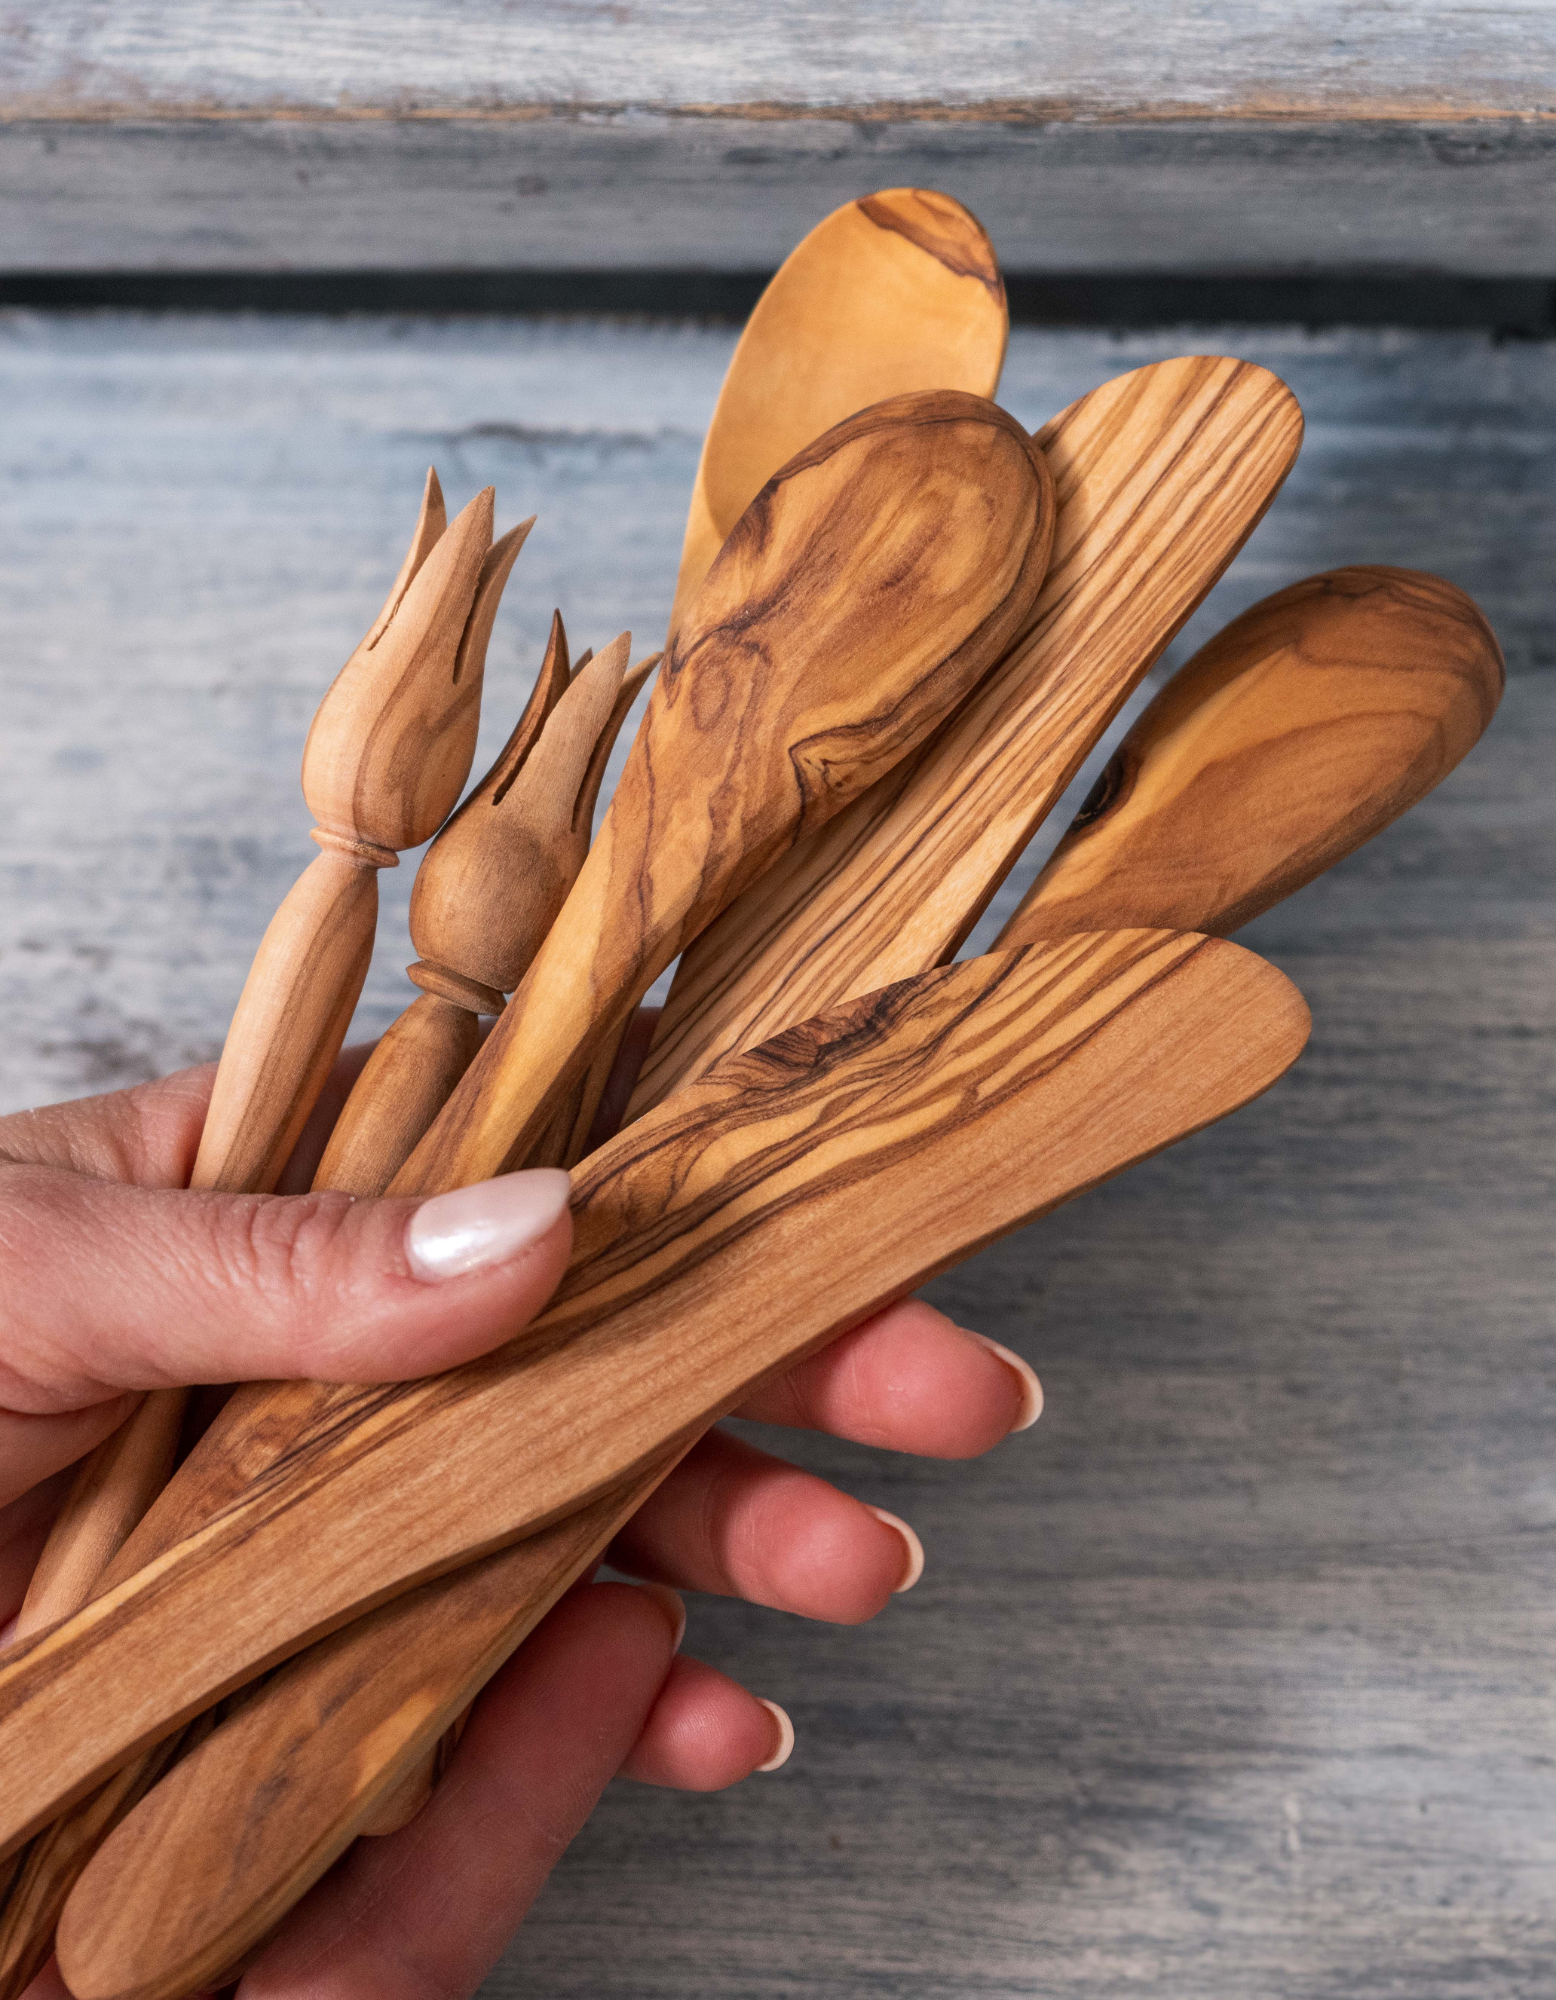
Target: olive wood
417, 672
873, 581
1161, 475
858, 1144
485, 896
430, 638
898, 292
1301, 730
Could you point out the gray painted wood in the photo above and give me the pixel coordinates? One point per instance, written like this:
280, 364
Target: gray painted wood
1109, 58
1232, 1678
1232, 135
635, 189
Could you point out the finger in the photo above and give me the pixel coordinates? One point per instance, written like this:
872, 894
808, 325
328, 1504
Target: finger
148, 1135
105, 1288
24, 1527
733, 1520
34, 1448
705, 1732
424, 1913
908, 1380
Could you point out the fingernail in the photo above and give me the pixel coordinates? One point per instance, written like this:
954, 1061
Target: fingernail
671, 1604
784, 1745
1026, 1375
490, 1223
915, 1549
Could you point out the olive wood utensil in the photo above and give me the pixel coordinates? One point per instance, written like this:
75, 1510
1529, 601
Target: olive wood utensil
416, 678
486, 893
873, 581
1161, 475
858, 1145
898, 292
1305, 727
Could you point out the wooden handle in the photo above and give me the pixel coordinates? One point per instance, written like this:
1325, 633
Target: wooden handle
855, 1145
1161, 476
896, 293
1299, 732
873, 581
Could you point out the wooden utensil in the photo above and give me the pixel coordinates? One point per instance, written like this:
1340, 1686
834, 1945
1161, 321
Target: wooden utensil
898, 292
486, 893
1161, 476
858, 1146
414, 680
1305, 727
873, 581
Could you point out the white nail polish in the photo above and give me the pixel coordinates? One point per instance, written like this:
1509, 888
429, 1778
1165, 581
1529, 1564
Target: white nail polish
1026, 1375
476, 1227
785, 1749
915, 1548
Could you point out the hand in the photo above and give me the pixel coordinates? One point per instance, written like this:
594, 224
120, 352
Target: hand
115, 1279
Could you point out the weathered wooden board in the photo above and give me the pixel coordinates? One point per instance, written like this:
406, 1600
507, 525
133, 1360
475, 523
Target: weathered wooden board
650, 189
1231, 1677
1111, 58
1121, 135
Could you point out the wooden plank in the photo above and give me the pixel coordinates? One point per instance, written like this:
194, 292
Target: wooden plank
1044, 58
1232, 1676
652, 189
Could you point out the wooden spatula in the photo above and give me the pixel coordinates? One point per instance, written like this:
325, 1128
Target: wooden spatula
1161, 476
859, 1145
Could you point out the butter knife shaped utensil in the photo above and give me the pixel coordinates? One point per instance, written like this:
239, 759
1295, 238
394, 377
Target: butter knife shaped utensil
1161, 476
860, 1144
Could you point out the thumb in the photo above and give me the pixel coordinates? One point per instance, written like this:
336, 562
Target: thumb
106, 1288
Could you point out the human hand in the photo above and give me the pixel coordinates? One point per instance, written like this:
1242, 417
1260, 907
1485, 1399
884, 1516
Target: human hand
115, 1279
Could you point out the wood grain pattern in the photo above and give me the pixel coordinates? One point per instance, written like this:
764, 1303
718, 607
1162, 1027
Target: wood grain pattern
416, 670
1065, 1063
486, 893
1114, 58
897, 292
1299, 732
1160, 477
875, 579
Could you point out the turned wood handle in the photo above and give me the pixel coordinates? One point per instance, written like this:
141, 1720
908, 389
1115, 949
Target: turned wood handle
1160, 476
856, 1145
1305, 727
873, 581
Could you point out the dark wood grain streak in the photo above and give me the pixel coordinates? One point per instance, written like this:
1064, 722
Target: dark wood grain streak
1160, 477
1066, 1062
1297, 733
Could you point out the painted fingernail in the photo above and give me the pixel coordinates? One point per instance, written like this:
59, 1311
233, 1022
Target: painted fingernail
674, 1609
915, 1549
476, 1227
1026, 1375
783, 1745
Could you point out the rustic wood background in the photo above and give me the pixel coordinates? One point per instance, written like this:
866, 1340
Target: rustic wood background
1115, 135
1231, 1677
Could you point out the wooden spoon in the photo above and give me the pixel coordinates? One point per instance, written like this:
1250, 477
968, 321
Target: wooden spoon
1161, 476
1301, 730
898, 292
414, 680
856, 1146
873, 581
